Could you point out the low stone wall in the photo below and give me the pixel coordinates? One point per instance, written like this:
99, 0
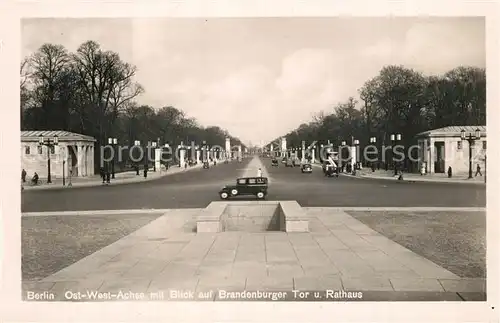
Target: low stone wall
252, 216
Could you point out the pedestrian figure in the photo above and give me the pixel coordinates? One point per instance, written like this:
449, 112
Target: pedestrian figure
478, 170
449, 172
34, 180
23, 176
145, 171
108, 177
185, 165
102, 173
259, 172
136, 169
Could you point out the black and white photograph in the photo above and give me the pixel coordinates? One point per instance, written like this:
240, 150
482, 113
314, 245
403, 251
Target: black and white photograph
257, 159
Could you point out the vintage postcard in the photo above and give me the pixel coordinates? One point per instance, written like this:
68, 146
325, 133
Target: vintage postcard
288, 160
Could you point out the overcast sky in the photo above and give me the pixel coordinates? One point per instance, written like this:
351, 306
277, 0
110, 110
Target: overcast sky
261, 77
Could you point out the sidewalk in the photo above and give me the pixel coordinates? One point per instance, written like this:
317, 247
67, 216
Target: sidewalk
339, 253
461, 178
120, 178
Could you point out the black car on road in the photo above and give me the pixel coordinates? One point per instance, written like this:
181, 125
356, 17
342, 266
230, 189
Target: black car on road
306, 168
274, 162
256, 186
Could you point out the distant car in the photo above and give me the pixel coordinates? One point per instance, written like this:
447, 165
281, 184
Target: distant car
306, 168
330, 170
283, 160
226, 161
289, 162
274, 162
206, 164
296, 162
256, 186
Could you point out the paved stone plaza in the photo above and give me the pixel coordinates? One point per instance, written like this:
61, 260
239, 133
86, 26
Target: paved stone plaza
339, 253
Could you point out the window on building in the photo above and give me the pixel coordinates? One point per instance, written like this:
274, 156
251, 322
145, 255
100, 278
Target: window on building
484, 144
52, 150
40, 150
459, 145
27, 150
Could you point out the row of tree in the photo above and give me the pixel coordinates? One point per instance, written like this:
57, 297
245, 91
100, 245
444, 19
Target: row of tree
401, 101
92, 91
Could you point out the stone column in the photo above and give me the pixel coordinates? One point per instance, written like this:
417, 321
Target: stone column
303, 151
313, 153
283, 144
157, 158
182, 157
90, 156
198, 153
228, 148
354, 157
78, 152
91, 160
239, 152
84, 160
432, 153
84, 172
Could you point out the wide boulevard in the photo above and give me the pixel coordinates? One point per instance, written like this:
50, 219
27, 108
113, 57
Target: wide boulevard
198, 187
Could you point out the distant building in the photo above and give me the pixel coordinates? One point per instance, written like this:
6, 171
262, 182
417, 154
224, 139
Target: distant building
75, 151
443, 147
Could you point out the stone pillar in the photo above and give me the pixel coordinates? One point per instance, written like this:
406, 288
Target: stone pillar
91, 156
354, 157
182, 157
84, 172
87, 159
432, 153
158, 159
78, 152
303, 150
239, 152
91, 160
198, 153
228, 148
84, 159
313, 153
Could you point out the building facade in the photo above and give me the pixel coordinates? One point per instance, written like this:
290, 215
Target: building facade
73, 154
444, 147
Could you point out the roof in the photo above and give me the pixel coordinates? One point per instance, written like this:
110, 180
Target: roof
33, 135
452, 131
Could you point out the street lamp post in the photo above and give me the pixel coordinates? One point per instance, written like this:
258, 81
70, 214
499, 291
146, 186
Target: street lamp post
49, 143
356, 161
154, 144
113, 142
204, 156
166, 145
395, 138
342, 145
373, 141
137, 143
471, 138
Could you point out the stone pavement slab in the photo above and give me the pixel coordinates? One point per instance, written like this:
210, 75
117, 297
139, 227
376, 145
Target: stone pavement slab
348, 256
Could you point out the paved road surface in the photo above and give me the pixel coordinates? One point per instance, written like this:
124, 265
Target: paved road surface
197, 188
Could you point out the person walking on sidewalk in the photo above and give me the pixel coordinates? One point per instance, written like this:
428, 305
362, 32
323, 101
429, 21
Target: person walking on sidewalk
259, 172
102, 174
23, 176
478, 170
